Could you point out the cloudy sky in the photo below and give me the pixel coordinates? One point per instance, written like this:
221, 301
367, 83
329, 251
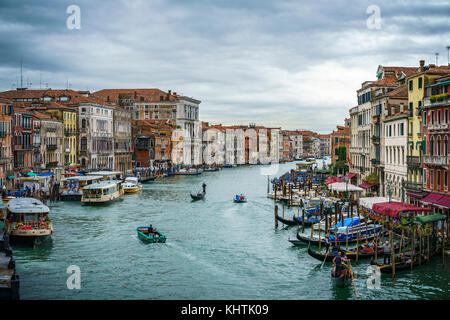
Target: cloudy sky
294, 64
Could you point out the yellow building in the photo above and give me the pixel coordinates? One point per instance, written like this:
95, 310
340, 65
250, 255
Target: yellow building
70, 125
416, 91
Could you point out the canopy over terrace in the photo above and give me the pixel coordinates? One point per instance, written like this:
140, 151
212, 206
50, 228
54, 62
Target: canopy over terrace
370, 201
344, 187
393, 209
332, 179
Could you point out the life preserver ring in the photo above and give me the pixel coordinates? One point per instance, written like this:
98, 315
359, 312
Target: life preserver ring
42, 224
19, 225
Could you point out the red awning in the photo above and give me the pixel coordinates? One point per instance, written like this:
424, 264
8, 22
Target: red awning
393, 209
366, 185
443, 202
431, 198
414, 195
350, 175
332, 179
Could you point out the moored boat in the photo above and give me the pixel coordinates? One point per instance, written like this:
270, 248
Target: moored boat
132, 185
102, 192
156, 235
189, 172
27, 220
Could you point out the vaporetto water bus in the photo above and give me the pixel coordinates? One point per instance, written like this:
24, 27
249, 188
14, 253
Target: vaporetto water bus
73, 186
107, 175
102, 192
27, 220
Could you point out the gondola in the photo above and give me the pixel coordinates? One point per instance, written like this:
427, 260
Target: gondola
290, 222
403, 264
350, 254
315, 241
343, 279
198, 196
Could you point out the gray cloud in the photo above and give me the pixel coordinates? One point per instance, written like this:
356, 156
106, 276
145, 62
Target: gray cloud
295, 63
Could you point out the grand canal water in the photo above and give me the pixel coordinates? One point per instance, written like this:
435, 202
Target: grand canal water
216, 249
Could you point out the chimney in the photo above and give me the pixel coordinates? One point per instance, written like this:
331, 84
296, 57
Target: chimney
170, 92
422, 64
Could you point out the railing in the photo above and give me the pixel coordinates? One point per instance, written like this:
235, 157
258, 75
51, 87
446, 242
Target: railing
375, 162
438, 126
435, 160
4, 160
435, 101
51, 147
413, 186
413, 160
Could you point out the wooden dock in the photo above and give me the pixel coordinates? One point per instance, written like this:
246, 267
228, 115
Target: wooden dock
9, 280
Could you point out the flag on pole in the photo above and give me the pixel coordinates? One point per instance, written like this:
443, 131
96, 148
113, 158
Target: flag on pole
348, 160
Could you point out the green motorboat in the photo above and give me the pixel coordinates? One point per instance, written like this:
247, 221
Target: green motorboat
157, 236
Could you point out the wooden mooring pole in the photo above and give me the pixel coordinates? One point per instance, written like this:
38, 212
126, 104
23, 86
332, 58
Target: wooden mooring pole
276, 215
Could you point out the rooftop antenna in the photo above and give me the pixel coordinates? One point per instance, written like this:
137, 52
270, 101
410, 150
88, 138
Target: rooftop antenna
448, 55
40, 80
21, 73
437, 55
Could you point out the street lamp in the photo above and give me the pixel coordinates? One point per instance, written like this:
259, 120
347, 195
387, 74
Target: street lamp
389, 189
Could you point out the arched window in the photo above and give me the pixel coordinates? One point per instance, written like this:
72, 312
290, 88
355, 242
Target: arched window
431, 146
439, 146
446, 146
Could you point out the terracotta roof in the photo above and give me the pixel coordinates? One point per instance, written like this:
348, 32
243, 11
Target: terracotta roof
439, 70
408, 71
401, 91
388, 80
140, 95
43, 115
75, 96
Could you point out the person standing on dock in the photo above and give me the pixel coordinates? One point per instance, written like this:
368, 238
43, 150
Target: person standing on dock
327, 242
387, 253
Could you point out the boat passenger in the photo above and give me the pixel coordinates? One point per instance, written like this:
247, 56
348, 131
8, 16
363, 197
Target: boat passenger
150, 229
367, 248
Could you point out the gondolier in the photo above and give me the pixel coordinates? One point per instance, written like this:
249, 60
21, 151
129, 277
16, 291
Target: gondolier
337, 261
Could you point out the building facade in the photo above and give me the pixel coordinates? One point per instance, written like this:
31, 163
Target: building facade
6, 137
436, 138
96, 136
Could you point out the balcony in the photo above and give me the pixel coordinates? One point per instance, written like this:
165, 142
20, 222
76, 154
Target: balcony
435, 160
375, 162
4, 160
414, 161
376, 139
436, 101
413, 186
438, 126
52, 147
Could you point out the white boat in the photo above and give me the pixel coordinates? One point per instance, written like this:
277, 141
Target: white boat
27, 220
132, 185
102, 192
73, 186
